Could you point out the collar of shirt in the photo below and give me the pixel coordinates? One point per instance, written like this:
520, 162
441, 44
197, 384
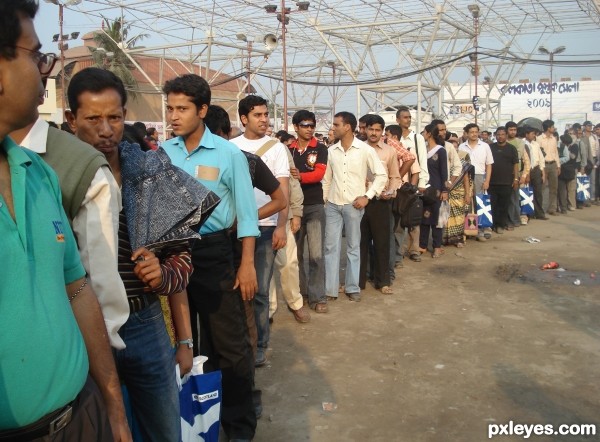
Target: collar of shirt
466, 144
207, 142
312, 143
356, 144
14, 154
36, 138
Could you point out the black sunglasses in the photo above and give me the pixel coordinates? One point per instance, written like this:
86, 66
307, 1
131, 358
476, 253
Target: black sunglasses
307, 125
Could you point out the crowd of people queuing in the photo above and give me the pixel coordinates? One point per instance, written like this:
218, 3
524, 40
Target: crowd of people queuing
80, 308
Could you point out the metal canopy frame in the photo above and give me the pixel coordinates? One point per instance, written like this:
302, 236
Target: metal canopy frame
386, 52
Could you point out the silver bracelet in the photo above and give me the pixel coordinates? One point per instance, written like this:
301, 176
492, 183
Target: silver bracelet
78, 291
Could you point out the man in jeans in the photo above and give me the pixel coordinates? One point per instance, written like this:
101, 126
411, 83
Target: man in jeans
346, 196
254, 115
482, 160
310, 160
548, 144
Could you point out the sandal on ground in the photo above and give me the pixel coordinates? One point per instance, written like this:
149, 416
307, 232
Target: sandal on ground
321, 308
387, 290
415, 256
437, 253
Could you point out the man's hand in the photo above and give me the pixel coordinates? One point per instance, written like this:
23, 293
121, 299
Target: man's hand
524, 179
360, 202
386, 195
119, 426
246, 281
485, 185
147, 268
184, 357
295, 173
295, 224
515, 184
543, 178
279, 238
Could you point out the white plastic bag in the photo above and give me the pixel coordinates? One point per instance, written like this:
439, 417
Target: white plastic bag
444, 215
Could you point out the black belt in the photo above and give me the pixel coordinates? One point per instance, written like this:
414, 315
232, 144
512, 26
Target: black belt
550, 162
140, 302
48, 425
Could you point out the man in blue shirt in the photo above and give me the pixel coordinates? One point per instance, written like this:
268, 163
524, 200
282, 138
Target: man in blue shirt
216, 291
53, 331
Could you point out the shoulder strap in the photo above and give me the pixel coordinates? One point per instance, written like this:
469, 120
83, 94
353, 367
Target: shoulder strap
265, 147
416, 149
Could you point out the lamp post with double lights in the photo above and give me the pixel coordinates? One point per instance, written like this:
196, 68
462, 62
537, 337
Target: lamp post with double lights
545, 51
474, 10
62, 46
284, 19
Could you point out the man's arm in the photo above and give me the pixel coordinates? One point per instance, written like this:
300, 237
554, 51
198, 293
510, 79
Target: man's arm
95, 227
102, 366
326, 183
516, 180
246, 275
180, 312
488, 176
526, 168
405, 168
277, 203
280, 234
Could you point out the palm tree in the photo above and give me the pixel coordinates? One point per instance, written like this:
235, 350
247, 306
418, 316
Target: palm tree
109, 53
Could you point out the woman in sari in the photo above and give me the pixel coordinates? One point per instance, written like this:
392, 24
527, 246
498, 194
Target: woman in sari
459, 197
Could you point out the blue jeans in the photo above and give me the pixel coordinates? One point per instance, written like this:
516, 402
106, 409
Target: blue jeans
147, 367
264, 257
312, 280
336, 218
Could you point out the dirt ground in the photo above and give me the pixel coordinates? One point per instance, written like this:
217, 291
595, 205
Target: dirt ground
478, 337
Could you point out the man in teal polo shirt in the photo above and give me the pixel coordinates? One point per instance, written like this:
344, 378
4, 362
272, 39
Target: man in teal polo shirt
216, 291
53, 331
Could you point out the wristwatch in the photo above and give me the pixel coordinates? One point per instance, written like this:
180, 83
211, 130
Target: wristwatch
189, 342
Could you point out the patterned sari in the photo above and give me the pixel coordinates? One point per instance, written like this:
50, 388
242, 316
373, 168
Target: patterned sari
454, 232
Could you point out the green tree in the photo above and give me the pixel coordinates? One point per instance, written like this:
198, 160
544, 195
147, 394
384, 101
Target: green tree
109, 53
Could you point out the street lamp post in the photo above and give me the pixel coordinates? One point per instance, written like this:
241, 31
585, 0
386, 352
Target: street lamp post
282, 17
332, 64
61, 38
545, 51
474, 10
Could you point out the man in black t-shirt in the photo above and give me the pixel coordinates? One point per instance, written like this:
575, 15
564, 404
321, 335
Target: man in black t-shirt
310, 159
504, 179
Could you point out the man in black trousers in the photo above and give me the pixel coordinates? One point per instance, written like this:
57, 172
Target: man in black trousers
504, 179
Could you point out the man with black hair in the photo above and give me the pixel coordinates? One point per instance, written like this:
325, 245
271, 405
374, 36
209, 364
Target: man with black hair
537, 175
375, 224
310, 160
589, 144
549, 146
362, 128
348, 163
486, 136
414, 143
514, 208
97, 101
482, 160
504, 179
217, 290
60, 380
254, 115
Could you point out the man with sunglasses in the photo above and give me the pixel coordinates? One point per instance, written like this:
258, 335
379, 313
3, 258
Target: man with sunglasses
310, 159
53, 333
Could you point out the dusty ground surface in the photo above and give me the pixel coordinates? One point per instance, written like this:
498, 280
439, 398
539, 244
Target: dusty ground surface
478, 337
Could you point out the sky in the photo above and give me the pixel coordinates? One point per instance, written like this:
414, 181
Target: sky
579, 47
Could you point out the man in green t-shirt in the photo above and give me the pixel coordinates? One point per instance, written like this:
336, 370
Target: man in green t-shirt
53, 331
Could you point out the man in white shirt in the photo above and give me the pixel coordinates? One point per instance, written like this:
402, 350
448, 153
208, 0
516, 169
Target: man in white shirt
254, 115
482, 160
345, 196
537, 177
95, 227
414, 143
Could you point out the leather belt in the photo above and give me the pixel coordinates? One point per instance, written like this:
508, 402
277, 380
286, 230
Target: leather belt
48, 425
140, 302
550, 162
